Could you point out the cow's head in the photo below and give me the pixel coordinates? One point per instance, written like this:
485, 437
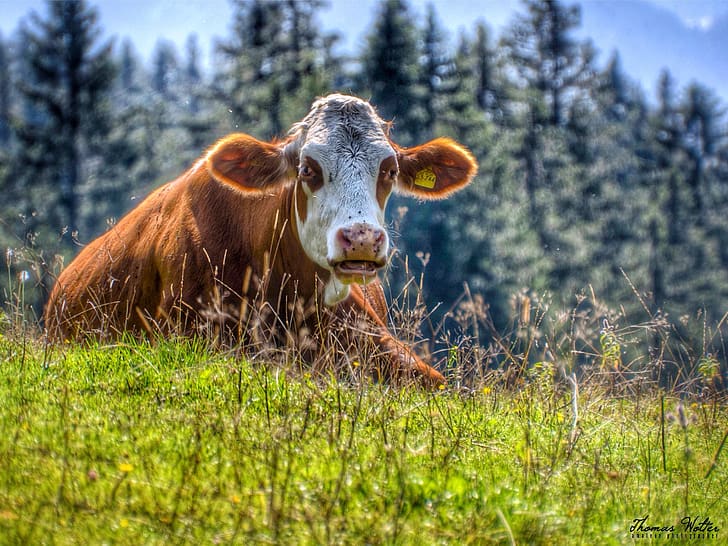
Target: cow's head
345, 167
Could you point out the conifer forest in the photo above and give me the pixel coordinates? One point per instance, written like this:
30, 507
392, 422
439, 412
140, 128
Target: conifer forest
592, 197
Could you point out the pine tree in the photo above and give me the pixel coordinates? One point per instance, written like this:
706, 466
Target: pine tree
135, 108
491, 89
303, 42
464, 229
67, 79
436, 63
120, 171
173, 133
192, 76
548, 59
5, 77
5, 136
246, 63
703, 133
668, 132
166, 67
273, 65
618, 210
614, 93
128, 67
390, 70
553, 71
197, 117
706, 145
673, 228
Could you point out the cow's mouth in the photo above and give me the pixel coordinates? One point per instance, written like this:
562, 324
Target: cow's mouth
355, 270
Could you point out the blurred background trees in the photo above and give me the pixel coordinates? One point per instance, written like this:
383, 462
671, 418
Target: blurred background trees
586, 185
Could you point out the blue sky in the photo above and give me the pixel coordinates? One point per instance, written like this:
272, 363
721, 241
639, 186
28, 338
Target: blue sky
646, 43
145, 21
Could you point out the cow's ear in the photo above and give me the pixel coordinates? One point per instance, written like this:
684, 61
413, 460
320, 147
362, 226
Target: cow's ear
249, 164
435, 169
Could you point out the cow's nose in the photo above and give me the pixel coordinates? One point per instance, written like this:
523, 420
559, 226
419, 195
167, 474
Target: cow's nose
361, 241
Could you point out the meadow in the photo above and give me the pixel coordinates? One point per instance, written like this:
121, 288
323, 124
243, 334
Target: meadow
180, 442
573, 424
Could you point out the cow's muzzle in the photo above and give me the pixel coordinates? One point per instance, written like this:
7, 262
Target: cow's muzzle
360, 251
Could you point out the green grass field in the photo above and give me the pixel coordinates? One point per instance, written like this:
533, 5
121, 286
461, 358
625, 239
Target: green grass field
178, 443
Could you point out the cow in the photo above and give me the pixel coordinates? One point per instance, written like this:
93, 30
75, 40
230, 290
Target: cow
291, 223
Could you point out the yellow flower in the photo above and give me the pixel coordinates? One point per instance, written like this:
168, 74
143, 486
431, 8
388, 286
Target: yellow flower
645, 492
124, 523
125, 468
441, 387
8, 515
486, 390
355, 363
235, 499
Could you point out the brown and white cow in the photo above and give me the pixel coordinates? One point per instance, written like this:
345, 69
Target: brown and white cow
297, 220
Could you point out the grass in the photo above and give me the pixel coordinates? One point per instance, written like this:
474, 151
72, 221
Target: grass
177, 442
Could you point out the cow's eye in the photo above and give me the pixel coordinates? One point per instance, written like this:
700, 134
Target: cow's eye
390, 175
388, 170
309, 172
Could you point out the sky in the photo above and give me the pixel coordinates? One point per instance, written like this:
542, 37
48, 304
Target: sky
145, 21
644, 30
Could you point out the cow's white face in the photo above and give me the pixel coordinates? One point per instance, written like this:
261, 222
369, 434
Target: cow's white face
345, 167
346, 170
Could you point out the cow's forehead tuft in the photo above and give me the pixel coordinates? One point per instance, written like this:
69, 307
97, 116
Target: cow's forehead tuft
344, 117
343, 105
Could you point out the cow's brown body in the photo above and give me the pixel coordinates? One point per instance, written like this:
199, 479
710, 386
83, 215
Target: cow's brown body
187, 245
209, 248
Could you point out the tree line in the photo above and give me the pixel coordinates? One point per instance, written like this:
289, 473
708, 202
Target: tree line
587, 187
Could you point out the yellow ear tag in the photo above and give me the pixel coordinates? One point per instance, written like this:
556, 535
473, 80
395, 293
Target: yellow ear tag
426, 178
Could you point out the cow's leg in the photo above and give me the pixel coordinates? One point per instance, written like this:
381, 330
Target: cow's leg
401, 359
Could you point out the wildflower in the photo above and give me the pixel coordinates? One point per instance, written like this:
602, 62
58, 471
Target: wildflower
124, 523
681, 416
125, 468
356, 364
486, 390
235, 499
